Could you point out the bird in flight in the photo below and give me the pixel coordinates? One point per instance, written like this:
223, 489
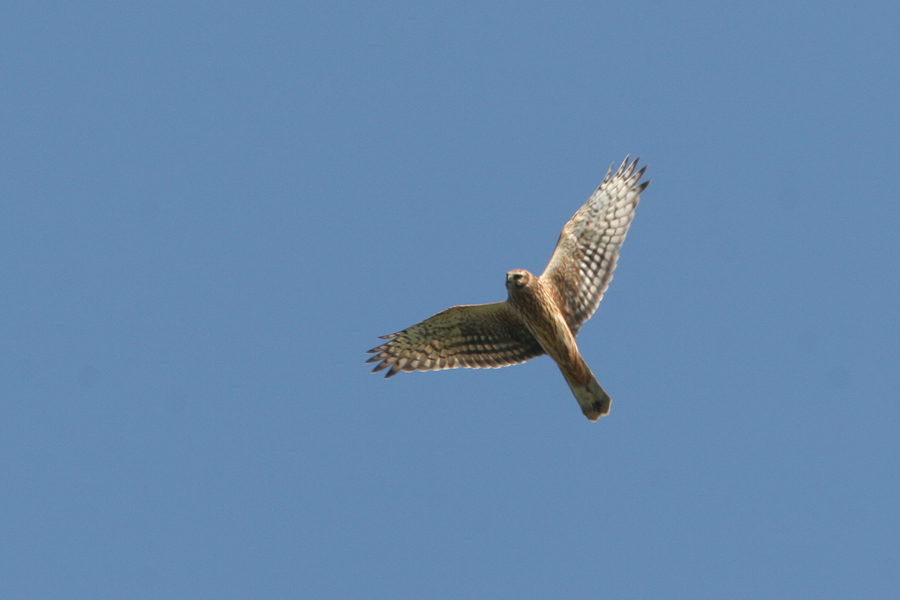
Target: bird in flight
541, 315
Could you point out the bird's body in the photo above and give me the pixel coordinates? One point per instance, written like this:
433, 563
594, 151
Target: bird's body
539, 306
542, 314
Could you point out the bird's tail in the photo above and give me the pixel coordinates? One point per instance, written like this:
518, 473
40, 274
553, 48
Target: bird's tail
593, 400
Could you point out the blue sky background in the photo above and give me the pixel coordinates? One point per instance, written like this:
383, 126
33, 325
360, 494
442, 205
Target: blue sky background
209, 211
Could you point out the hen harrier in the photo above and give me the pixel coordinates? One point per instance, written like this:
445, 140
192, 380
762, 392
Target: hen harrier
542, 315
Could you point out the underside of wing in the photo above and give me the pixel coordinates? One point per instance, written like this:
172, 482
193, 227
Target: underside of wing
476, 336
585, 257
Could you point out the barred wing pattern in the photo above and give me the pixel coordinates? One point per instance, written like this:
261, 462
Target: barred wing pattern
475, 335
585, 257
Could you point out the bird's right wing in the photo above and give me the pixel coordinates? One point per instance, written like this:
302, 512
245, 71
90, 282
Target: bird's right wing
474, 335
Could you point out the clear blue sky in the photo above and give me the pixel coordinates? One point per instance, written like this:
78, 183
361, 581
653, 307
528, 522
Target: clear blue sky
209, 211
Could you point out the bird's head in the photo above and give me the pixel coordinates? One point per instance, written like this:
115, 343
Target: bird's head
517, 279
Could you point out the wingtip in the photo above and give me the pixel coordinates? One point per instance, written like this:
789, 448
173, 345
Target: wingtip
609, 173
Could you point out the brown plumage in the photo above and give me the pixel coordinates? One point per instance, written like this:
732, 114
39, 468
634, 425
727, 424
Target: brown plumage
542, 315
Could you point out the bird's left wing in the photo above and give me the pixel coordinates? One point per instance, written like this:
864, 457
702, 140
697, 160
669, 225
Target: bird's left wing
585, 256
475, 335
